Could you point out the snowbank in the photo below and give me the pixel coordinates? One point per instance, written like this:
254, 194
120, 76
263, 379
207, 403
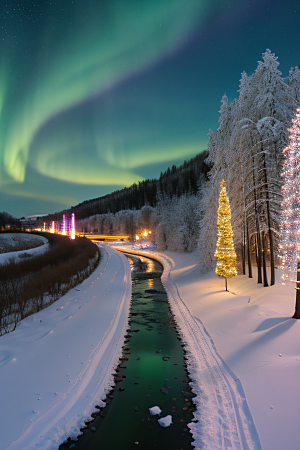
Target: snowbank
12, 241
58, 364
252, 330
248, 336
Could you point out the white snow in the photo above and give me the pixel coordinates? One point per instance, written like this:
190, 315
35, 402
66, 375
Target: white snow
257, 340
11, 240
165, 421
58, 364
155, 410
241, 343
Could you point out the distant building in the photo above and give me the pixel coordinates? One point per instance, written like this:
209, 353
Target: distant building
33, 222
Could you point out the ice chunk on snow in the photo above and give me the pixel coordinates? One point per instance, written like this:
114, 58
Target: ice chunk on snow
155, 410
165, 421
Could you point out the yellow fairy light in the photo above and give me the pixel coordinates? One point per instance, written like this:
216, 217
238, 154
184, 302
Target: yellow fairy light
225, 248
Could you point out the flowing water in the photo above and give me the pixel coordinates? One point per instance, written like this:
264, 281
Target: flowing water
152, 372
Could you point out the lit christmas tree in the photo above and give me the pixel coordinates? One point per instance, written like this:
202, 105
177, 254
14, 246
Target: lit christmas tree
225, 248
289, 246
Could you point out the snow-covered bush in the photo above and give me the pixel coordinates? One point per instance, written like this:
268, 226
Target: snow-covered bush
173, 223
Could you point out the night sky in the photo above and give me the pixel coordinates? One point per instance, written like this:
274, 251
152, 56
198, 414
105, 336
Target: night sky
96, 94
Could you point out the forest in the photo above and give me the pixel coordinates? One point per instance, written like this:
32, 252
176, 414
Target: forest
7, 220
173, 182
246, 150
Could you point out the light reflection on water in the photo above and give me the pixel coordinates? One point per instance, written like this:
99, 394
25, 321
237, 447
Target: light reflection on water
135, 264
149, 262
131, 264
150, 283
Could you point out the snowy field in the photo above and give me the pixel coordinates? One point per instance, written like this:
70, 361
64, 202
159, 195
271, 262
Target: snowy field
19, 245
253, 332
57, 365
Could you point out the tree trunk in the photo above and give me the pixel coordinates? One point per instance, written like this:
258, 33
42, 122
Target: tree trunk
244, 252
272, 257
226, 283
131, 229
258, 257
272, 262
249, 254
263, 238
297, 306
257, 240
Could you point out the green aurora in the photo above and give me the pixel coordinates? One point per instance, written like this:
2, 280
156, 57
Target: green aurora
97, 95
71, 60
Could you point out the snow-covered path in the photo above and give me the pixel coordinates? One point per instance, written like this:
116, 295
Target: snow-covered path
224, 418
57, 365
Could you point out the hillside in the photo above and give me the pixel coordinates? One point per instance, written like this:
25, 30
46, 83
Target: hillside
173, 182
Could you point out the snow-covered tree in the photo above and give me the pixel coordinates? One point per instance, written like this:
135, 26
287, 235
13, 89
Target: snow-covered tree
244, 92
207, 212
177, 223
294, 83
269, 94
246, 151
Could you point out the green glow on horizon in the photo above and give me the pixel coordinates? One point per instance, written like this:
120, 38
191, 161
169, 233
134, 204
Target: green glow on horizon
89, 59
13, 190
146, 156
80, 170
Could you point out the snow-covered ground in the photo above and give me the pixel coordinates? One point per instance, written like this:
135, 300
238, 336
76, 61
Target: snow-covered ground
20, 245
57, 364
253, 340
253, 332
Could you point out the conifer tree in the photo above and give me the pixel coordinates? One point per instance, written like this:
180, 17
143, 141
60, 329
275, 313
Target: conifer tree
289, 246
225, 248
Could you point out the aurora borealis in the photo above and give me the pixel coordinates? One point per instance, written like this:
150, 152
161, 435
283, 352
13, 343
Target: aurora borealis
97, 95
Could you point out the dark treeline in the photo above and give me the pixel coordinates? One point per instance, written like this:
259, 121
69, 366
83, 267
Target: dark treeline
7, 220
173, 182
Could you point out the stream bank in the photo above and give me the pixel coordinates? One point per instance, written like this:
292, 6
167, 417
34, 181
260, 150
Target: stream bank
152, 372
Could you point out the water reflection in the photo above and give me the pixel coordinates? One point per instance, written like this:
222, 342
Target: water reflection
131, 264
152, 371
149, 262
150, 283
141, 264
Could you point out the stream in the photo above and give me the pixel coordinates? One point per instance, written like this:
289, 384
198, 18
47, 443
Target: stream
152, 372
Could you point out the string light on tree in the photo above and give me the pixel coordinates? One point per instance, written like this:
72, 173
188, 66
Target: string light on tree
225, 248
289, 245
